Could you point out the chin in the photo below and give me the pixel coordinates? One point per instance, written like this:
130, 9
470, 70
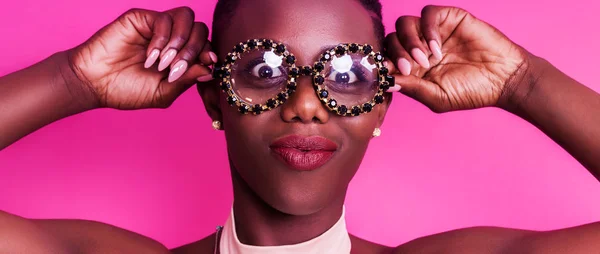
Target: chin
297, 201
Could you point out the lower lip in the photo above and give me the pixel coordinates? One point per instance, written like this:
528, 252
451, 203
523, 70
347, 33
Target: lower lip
303, 160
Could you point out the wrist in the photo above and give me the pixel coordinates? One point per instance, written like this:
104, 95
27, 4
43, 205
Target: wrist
80, 91
523, 83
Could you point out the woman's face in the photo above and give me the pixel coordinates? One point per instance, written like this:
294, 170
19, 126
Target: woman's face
283, 173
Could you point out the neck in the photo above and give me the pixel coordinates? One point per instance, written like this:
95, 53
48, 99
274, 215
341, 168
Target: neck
259, 224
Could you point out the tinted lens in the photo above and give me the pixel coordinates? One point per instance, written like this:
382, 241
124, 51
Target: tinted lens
351, 79
259, 75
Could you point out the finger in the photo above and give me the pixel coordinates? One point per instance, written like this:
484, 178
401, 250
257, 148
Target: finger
207, 56
157, 27
430, 27
421, 90
442, 21
398, 55
168, 91
409, 34
183, 22
387, 63
188, 55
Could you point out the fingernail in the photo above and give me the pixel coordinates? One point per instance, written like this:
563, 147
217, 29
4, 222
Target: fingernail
435, 49
386, 64
420, 57
151, 58
177, 71
404, 66
166, 60
213, 57
205, 78
393, 89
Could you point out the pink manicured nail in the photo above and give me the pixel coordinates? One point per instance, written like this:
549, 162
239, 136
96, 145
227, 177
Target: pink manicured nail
435, 49
213, 57
420, 57
166, 59
178, 70
205, 78
152, 58
404, 66
393, 89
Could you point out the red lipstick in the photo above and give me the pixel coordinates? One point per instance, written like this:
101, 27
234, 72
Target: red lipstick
304, 153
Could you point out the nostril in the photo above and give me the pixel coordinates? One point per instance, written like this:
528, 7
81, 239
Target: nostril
296, 119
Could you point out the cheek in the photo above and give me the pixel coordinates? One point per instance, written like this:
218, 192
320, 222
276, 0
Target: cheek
359, 128
246, 134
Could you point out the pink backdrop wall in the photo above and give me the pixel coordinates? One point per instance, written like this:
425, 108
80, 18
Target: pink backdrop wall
148, 171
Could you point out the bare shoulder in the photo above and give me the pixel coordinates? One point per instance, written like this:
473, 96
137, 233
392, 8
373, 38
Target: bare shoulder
71, 236
19, 235
362, 246
205, 245
497, 240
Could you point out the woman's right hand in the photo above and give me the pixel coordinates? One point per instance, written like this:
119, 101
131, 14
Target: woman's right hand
144, 59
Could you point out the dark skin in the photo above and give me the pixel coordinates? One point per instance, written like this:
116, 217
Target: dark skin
478, 67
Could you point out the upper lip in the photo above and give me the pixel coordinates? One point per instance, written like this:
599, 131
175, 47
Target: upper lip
305, 143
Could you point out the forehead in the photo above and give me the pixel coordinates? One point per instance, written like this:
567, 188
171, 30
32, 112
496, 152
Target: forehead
305, 26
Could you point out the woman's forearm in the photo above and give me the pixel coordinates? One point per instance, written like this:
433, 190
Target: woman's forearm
564, 109
38, 95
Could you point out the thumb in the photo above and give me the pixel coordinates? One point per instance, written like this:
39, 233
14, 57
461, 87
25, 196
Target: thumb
422, 90
169, 91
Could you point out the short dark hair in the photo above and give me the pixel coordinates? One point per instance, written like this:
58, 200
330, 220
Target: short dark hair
225, 9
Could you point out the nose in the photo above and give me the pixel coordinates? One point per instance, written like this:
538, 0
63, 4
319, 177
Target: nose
303, 105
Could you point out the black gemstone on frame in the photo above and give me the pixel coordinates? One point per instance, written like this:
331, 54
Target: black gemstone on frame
225, 86
290, 59
332, 103
292, 86
326, 57
367, 107
367, 49
383, 71
379, 99
267, 44
244, 108
257, 109
353, 48
319, 80
231, 58
271, 103
390, 79
343, 109
355, 110
324, 94
280, 49
252, 44
231, 100
281, 97
378, 57
306, 70
340, 50
319, 67
239, 48
294, 72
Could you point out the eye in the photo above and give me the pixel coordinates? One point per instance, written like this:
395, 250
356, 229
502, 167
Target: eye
263, 70
342, 77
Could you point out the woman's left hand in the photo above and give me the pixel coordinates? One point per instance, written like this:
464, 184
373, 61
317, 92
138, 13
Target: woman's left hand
449, 60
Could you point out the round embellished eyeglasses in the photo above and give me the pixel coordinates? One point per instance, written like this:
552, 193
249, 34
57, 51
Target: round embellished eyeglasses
261, 74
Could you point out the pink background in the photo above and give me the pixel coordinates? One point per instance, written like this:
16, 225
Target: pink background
163, 173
